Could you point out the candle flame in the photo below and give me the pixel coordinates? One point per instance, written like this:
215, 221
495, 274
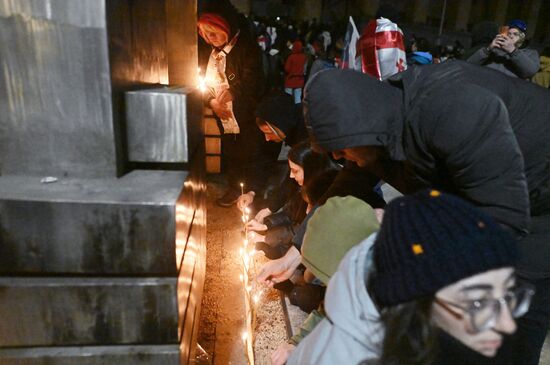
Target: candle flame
202, 84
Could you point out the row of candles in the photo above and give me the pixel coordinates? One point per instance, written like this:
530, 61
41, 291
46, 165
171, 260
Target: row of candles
252, 292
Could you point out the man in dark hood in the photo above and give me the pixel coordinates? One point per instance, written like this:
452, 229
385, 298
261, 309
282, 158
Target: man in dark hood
280, 120
457, 127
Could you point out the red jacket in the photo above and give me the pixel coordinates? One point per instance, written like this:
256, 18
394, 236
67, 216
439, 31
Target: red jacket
295, 67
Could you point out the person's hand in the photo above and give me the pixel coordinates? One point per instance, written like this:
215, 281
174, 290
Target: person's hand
255, 226
245, 200
279, 270
507, 44
254, 237
262, 214
282, 353
225, 97
379, 214
503, 42
495, 43
221, 110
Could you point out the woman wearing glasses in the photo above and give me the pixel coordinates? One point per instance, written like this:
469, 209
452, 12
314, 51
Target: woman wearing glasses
443, 279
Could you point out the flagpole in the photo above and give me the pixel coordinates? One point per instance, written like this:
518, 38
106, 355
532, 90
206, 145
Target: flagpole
443, 12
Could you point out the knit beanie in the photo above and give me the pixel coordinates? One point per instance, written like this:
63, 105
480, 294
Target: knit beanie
336, 226
216, 21
518, 24
431, 239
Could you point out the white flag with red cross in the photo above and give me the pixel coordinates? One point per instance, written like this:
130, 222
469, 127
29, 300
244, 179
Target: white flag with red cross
382, 49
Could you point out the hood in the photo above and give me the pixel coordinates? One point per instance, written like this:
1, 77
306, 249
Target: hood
345, 108
279, 110
347, 302
423, 58
545, 63
297, 47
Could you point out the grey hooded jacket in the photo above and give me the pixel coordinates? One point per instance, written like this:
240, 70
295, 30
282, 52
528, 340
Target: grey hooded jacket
523, 63
351, 333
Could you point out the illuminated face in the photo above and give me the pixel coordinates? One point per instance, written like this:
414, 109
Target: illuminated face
515, 35
271, 133
476, 289
296, 172
213, 36
363, 156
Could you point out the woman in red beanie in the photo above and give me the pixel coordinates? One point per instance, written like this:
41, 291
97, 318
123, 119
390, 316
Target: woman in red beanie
232, 63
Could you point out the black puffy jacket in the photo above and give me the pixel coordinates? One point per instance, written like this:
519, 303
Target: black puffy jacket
459, 127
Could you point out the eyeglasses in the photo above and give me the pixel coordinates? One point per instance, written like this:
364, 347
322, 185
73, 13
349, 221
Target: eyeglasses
484, 313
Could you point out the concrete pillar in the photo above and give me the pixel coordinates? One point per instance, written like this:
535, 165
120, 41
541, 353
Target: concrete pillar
310, 9
420, 12
181, 42
463, 10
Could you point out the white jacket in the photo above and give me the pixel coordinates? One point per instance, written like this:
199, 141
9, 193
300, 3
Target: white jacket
351, 333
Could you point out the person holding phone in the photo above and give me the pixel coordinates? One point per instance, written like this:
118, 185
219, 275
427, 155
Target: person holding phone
506, 55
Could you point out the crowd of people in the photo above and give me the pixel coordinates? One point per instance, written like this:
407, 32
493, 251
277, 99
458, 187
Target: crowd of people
456, 270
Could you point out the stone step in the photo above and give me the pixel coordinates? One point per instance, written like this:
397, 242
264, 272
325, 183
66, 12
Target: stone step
123, 226
88, 311
94, 355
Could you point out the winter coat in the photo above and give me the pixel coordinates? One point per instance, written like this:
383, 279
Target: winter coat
542, 77
295, 67
351, 333
522, 63
244, 74
464, 129
419, 58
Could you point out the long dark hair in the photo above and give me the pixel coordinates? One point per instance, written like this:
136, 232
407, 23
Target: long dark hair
312, 162
410, 337
314, 191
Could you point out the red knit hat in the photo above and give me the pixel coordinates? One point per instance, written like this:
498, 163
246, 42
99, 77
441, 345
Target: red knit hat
216, 21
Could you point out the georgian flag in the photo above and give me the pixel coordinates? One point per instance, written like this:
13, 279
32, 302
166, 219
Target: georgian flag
350, 52
382, 49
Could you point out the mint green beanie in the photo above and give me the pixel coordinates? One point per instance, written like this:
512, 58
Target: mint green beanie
334, 228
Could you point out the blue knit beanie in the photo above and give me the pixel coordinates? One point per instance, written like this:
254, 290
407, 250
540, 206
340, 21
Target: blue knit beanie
431, 239
518, 24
